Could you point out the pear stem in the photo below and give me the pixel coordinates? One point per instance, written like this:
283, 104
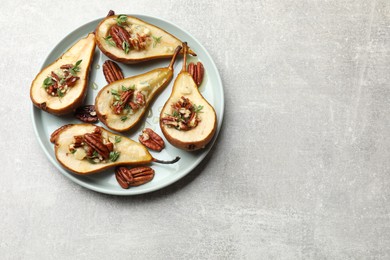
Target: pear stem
110, 13
166, 162
185, 50
177, 50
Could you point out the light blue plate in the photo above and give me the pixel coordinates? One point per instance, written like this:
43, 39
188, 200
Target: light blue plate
105, 182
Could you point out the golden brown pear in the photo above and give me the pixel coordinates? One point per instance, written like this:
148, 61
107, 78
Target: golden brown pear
192, 126
118, 104
74, 157
127, 39
73, 77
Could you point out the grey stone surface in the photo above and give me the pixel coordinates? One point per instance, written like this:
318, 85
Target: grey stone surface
301, 168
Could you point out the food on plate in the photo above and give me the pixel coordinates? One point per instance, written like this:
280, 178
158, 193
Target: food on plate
127, 39
86, 114
121, 104
61, 87
151, 139
86, 148
133, 177
187, 120
196, 71
111, 71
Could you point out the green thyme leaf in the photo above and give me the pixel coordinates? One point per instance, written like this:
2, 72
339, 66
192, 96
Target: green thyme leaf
114, 155
197, 109
47, 82
62, 81
73, 151
115, 92
121, 19
78, 63
156, 40
60, 93
109, 41
95, 154
117, 98
91, 161
126, 47
75, 68
123, 118
175, 114
117, 139
128, 88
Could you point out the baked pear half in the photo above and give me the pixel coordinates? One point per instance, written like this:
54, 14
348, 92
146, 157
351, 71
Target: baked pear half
187, 120
127, 39
62, 86
123, 103
86, 149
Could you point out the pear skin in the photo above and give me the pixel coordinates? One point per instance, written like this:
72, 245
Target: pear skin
150, 84
82, 50
199, 136
159, 43
131, 152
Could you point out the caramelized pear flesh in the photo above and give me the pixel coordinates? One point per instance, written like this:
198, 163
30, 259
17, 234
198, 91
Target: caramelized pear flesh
199, 134
121, 113
155, 42
129, 151
80, 54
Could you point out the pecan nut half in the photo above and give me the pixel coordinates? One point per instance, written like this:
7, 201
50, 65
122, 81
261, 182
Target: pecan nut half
119, 35
197, 72
151, 140
111, 71
66, 66
86, 114
133, 177
124, 100
95, 141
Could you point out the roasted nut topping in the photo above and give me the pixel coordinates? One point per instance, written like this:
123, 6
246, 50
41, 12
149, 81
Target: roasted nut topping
140, 98
86, 114
126, 99
151, 140
78, 141
184, 115
96, 147
123, 36
197, 72
95, 141
111, 71
139, 42
133, 177
120, 36
58, 83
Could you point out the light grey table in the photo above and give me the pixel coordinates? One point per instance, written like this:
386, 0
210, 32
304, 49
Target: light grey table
300, 170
